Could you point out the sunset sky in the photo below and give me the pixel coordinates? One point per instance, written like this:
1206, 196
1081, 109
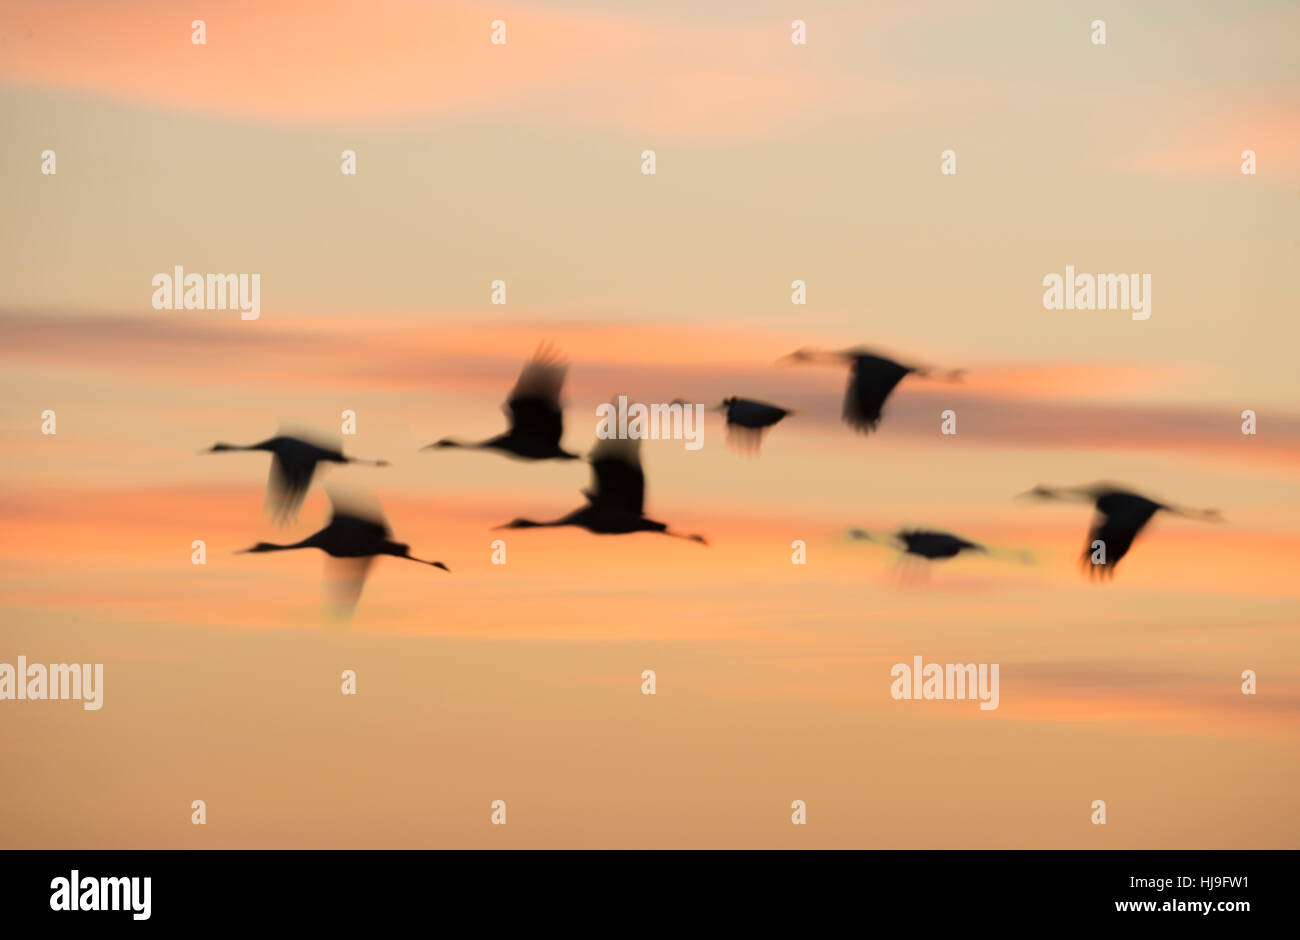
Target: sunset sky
775, 162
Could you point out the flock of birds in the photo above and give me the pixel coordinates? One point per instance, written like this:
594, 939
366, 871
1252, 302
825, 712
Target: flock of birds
357, 531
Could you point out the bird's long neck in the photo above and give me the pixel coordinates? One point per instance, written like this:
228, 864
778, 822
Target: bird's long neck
1068, 493
533, 524
224, 446
309, 542
889, 541
451, 442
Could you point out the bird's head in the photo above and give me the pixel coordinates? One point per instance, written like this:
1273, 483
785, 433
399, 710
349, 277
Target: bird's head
445, 442
799, 355
220, 446
259, 547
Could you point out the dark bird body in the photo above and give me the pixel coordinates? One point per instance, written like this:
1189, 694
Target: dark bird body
616, 500
872, 378
293, 464
357, 533
534, 411
748, 420
925, 543
1121, 515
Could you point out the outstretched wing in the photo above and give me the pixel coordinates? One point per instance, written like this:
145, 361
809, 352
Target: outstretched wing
618, 482
357, 516
287, 485
345, 578
745, 440
871, 379
534, 404
1119, 519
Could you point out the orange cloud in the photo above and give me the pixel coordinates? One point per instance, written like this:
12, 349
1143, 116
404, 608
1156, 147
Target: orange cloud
336, 61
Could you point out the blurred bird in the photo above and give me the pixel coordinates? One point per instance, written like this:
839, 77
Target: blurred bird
932, 545
748, 421
1120, 516
293, 464
926, 544
871, 380
357, 532
616, 500
534, 410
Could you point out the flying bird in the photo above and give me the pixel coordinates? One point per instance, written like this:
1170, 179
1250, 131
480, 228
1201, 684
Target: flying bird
1120, 516
293, 464
356, 534
615, 502
933, 545
748, 421
534, 411
872, 378
923, 543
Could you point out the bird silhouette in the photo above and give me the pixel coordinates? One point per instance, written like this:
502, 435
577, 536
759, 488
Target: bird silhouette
872, 378
1121, 515
356, 534
615, 502
748, 420
293, 464
534, 410
924, 545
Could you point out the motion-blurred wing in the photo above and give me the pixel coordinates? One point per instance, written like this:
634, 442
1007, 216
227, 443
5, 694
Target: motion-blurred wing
287, 486
534, 406
871, 380
745, 440
618, 483
1120, 517
357, 516
344, 580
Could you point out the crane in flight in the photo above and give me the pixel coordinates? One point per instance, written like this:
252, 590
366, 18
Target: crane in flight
534, 411
872, 377
294, 458
356, 534
1121, 515
616, 500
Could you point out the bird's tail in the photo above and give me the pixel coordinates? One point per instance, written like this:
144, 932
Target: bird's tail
1204, 515
941, 375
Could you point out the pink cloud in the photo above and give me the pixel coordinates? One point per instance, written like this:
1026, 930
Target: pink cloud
333, 61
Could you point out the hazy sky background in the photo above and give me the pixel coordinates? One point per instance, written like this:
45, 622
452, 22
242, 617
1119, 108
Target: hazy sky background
775, 162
